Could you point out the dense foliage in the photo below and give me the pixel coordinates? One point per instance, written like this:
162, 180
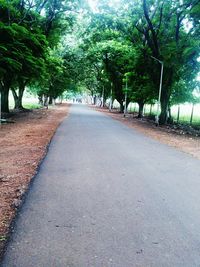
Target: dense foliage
54, 45
30, 32
130, 38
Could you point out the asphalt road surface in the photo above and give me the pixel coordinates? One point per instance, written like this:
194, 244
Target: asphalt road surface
106, 196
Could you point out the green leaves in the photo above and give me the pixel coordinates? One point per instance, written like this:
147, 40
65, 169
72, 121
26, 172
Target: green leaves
102, 46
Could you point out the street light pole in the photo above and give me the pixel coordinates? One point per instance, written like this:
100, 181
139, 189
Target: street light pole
125, 110
160, 89
102, 97
110, 104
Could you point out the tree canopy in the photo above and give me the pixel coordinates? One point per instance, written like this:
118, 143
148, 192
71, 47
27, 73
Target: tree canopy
54, 45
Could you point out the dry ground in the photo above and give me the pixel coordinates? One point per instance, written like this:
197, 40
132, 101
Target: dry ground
179, 139
23, 144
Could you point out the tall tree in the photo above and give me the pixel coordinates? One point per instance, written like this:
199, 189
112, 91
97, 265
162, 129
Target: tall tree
163, 27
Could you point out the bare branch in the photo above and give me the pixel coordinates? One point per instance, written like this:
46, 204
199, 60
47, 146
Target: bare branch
160, 20
140, 30
41, 6
155, 47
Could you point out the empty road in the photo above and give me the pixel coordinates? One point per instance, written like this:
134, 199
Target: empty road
108, 196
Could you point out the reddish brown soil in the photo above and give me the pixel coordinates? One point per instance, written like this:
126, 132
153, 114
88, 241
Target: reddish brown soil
164, 134
22, 146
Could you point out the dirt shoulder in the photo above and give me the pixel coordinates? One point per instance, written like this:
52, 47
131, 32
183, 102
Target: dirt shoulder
180, 139
23, 145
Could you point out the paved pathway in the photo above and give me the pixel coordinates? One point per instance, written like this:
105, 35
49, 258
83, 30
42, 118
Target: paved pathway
106, 196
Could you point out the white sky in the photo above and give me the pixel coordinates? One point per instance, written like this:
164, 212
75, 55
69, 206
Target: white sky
93, 3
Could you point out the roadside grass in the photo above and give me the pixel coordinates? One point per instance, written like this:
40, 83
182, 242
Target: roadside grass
32, 105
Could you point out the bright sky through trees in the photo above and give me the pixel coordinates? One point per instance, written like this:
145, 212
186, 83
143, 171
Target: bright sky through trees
94, 3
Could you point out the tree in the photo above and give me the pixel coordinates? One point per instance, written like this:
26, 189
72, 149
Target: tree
22, 52
166, 30
27, 29
162, 26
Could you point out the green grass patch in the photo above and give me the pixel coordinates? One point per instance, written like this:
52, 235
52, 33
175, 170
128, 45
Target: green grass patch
31, 106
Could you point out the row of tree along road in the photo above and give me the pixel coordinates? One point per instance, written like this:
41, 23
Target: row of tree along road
30, 56
111, 49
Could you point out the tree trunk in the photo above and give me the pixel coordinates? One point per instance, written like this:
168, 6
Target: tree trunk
121, 109
102, 102
5, 98
18, 98
15, 96
150, 109
50, 100
128, 101
164, 106
94, 100
170, 118
40, 100
144, 110
141, 107
134, 108
164, 110
46, 101
169, 112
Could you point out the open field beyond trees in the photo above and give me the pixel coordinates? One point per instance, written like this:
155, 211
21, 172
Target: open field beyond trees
184, 110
